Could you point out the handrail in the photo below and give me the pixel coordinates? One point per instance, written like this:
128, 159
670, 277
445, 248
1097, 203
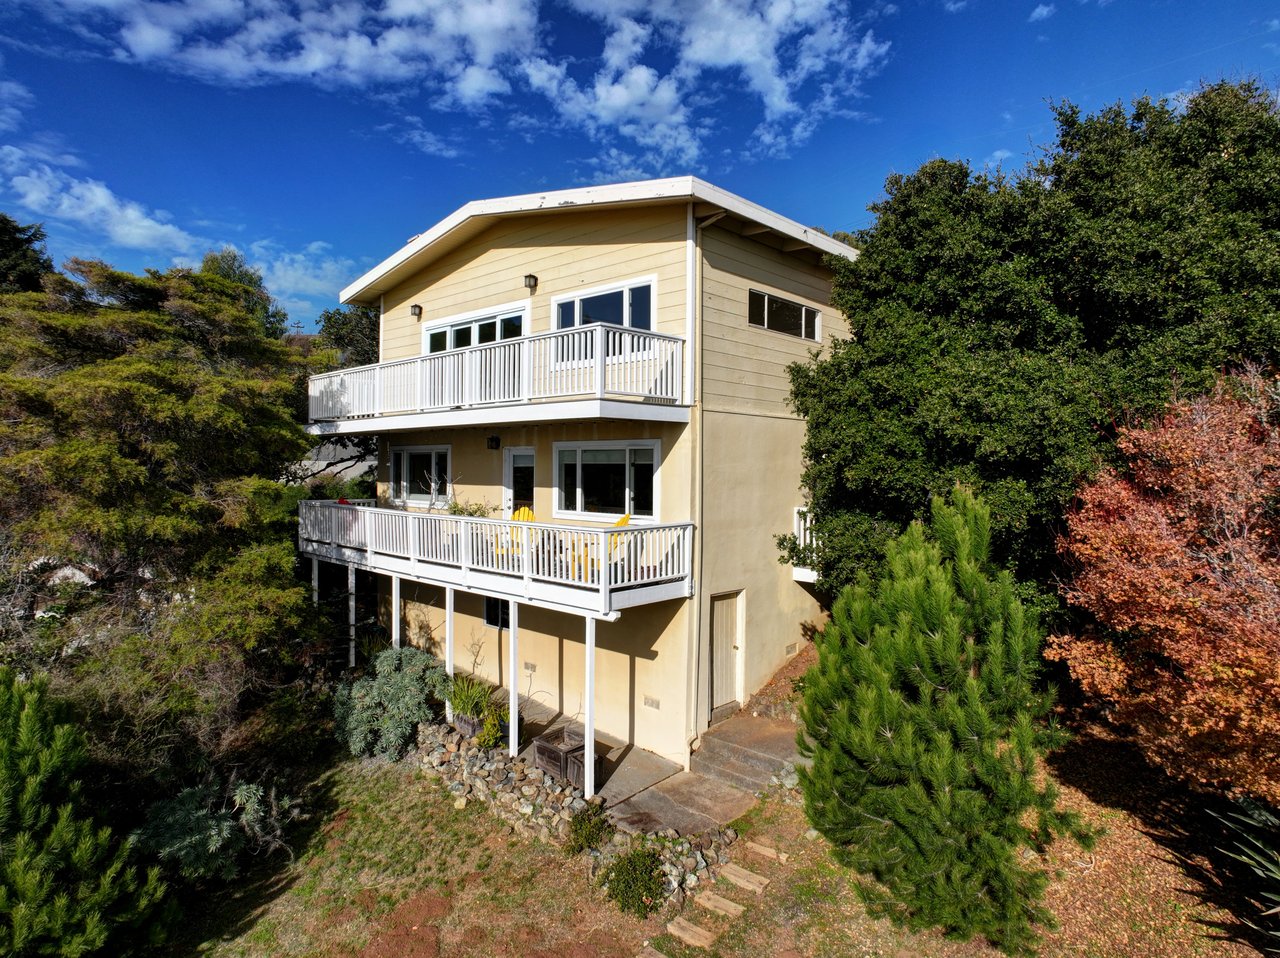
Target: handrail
597, 559
595, 360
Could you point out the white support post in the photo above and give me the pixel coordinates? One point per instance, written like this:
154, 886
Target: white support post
600, 364
448, 645
589, 738
315, 581
351, 616
395, 612
513, 704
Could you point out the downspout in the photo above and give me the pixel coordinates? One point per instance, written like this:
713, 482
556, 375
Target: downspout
693, 386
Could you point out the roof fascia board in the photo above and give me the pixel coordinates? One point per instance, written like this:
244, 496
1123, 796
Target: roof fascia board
674, 188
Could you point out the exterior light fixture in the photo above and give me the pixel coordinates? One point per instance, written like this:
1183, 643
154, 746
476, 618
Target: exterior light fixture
530, 282
493, 442
415, 311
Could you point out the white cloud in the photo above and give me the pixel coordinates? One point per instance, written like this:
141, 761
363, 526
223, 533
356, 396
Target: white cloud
15, 99
955, 6
90, 204
416, 135
312, 272
997, 158
659, 77
1042, 11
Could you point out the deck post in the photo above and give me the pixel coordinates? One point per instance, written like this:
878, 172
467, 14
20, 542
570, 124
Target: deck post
589, 737
395, 612
513, 705
448, 646
351, 616
315, 581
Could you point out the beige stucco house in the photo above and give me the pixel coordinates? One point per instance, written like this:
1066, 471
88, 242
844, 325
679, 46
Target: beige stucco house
605, 368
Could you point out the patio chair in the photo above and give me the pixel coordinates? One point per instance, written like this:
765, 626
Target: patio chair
585, 563
509, 541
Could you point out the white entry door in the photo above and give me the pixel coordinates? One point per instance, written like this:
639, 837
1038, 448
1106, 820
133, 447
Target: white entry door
726, 655
517, 479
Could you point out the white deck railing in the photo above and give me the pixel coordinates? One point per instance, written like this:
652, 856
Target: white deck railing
806, 542
599, 360
597, 561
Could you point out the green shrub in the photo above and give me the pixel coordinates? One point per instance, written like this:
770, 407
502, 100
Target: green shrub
1258, 846
469, 695
202, 832
65, 885
476, 510
379, 714
491, 734
634, 881
589, 828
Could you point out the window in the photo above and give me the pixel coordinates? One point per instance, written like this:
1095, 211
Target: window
420, 475
607, 479
782, 315
630, 304
504, 323
497, 613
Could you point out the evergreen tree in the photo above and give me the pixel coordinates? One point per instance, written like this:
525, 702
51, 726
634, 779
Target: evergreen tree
65, 885
925, 729
23, 260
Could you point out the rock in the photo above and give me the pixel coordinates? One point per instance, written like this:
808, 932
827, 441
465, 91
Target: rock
525, 808
811, 834
460, 804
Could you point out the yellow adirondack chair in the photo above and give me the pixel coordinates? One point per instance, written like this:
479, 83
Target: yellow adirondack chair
509, 542
585, 563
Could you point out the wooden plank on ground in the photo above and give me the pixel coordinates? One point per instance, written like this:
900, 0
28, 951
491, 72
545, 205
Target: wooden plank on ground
720, 905
764, 851
691, 934
744, 879
650, 952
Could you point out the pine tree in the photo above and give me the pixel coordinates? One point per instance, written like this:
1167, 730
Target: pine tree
925, 728
65, 885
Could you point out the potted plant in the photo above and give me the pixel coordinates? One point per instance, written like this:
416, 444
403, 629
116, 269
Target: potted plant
469, 697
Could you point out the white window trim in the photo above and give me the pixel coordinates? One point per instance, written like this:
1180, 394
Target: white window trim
651, 281
606, 517
434, 503
817, 325
447, 323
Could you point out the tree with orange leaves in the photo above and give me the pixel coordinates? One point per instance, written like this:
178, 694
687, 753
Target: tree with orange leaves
1178, 561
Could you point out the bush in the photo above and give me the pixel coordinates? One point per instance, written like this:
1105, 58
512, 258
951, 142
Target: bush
65, 885
589, 828
491, 733
202, 832
634, 881
379, 714
1258, 846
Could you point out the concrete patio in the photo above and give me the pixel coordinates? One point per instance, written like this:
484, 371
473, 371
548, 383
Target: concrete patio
644, 792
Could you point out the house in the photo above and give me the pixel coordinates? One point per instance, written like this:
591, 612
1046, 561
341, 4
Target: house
586, 449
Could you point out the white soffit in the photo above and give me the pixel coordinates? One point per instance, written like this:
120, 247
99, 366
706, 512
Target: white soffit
478, 215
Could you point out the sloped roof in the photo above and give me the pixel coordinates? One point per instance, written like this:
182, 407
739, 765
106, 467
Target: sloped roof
710, 202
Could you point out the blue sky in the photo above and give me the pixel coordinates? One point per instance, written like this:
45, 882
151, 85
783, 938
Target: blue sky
316, 136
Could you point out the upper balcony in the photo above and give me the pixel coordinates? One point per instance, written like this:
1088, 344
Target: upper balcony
599, 371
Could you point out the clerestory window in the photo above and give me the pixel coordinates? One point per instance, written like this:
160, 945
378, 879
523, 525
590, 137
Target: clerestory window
782, 315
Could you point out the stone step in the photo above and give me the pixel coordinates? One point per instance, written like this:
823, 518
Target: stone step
719, 749
748, 881
765, 851
729, 770
690, 933
718, 904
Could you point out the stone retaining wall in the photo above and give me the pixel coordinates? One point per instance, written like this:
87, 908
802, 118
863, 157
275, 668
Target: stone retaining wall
537, 805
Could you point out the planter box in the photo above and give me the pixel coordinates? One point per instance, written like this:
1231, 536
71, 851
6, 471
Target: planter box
467, 725
576, 762
551, 752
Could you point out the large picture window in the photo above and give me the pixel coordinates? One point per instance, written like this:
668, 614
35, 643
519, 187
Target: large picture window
782, 315
606, 479
627, 304
474, 330
420, 475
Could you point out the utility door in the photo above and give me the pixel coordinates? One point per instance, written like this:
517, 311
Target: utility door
726, 655
517, 479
